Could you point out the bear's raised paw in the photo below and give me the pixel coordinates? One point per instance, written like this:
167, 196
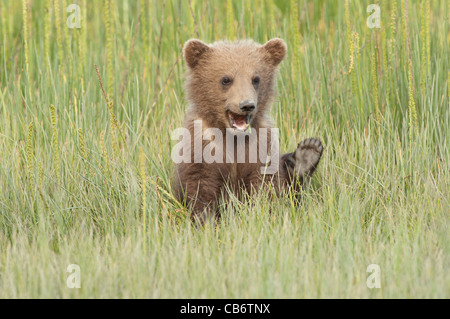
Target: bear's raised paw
307, 156
303, 162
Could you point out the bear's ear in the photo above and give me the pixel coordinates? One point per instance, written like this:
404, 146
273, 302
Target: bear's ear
193, 51
274, 51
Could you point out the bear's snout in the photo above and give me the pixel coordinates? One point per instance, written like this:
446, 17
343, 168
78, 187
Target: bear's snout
247, 106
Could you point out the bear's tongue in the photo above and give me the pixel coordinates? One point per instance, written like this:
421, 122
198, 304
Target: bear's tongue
238, 121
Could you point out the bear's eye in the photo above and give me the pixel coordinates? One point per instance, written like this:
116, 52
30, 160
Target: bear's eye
256, 81
226, 81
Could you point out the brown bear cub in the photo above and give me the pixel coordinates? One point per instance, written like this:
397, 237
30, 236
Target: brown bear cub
230, 87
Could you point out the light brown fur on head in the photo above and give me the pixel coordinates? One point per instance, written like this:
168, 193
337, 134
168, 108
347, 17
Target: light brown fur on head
226, 83
240, 61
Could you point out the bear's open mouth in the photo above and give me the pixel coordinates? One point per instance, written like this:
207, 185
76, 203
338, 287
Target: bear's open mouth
237, 121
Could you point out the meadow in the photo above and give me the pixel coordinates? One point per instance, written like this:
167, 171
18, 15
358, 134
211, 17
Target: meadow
85, 121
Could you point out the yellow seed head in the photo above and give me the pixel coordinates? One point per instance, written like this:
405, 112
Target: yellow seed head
30, 152
55, 142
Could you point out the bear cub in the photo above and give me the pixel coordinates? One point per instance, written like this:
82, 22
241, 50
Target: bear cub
230, 87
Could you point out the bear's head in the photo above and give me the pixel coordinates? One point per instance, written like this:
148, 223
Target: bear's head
231, 84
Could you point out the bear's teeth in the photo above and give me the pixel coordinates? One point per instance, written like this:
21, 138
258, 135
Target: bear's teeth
241, 125
239, 122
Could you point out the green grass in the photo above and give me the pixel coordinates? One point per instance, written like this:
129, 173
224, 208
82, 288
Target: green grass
71, 183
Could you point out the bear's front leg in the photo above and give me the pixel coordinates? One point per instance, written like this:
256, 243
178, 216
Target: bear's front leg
302, 163
199, 185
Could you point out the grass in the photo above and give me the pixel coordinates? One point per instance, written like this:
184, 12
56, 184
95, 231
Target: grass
85, 174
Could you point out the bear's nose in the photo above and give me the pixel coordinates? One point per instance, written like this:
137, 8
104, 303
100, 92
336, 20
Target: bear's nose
247, 106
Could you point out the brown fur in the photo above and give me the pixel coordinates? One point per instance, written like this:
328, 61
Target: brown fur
201, 184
